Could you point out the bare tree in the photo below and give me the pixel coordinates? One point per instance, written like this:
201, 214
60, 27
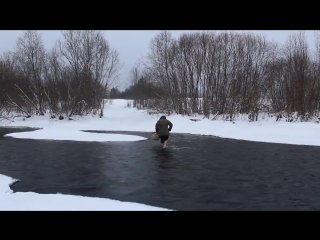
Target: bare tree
31, 57
160, 65
293, 80
55, 84
93, 67
209, 73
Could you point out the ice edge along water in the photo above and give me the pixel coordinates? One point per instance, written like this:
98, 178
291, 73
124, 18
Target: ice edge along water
64, 134
59, 202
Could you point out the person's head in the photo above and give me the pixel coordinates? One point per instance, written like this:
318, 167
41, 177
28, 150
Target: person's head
163, 117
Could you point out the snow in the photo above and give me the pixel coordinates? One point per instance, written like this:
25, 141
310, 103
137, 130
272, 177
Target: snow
5, 183
119, 117
73, 135
30, 201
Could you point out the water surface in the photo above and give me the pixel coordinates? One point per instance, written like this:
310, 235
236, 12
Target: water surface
195, 173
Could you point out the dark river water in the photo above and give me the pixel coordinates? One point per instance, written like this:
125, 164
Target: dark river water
195, 173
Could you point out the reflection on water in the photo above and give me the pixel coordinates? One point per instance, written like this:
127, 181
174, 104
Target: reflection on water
206, 173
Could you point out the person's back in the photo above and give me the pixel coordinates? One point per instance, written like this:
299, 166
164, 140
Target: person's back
163, 127
163, 130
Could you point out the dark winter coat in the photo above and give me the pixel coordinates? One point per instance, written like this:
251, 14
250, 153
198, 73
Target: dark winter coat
162, 126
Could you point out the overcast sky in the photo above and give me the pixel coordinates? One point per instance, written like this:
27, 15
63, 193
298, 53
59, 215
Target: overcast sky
131, 44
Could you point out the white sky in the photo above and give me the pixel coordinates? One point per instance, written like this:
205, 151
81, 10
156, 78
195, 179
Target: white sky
131, 44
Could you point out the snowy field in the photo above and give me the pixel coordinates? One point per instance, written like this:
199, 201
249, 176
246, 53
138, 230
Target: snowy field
119, 117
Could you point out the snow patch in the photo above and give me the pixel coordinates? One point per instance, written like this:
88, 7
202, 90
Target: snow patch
30, 201
56, 133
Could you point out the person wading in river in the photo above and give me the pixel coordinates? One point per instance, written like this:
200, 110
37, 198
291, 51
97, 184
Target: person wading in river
163, 130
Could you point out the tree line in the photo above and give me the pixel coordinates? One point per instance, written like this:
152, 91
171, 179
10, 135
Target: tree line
73, 78
215, 74
229, 74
